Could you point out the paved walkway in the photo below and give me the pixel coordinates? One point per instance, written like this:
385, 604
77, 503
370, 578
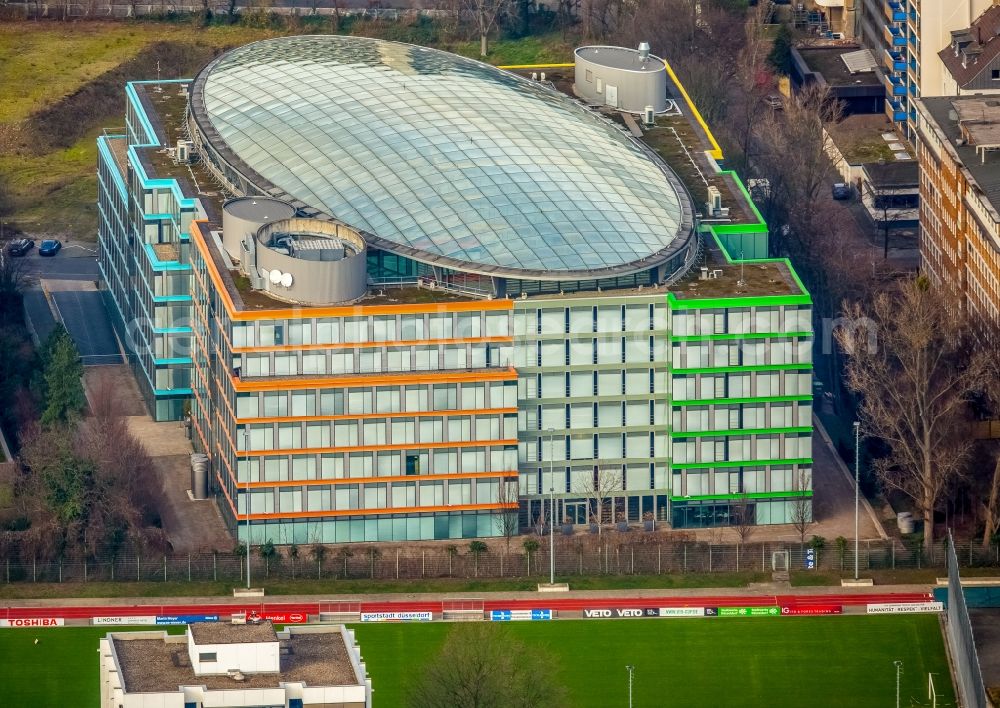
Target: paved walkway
191, 526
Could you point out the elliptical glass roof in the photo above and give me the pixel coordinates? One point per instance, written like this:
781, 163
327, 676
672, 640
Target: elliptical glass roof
443, 156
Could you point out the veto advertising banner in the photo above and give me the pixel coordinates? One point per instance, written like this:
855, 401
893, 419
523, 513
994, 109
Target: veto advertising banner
34, 622
397, 616
903, 608
123, 621
621, 612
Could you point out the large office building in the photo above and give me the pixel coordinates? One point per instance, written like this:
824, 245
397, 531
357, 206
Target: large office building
402, 294
960, 200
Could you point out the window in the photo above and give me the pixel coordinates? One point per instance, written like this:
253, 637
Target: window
995, 74
207, 656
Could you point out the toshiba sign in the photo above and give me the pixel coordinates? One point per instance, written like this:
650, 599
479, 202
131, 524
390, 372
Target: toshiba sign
34, 622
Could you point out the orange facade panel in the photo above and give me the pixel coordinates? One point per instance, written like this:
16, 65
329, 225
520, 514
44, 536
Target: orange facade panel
375, 416
366, 345
374, 512
377, 480
376, 448
367, 380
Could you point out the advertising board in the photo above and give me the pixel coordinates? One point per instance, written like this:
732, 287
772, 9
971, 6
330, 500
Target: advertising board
34, 622
123, 621
519, 615
620, 612
682, 612
813, 610
904, 608
185, 619
397, 616
767, 611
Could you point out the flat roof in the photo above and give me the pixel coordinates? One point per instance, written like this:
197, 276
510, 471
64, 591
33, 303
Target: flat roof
622, 58
985, 169
442, 159
829, 61
156, 665
228, 633
260, 209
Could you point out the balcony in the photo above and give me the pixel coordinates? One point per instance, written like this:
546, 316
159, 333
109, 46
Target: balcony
893, 61
895, 110
893, 36
894, 11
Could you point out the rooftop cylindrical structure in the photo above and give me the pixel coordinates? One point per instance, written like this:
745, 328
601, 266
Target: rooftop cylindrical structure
626, 79
244, 216
311, 261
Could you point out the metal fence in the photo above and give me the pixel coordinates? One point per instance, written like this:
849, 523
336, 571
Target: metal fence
588, 557
960, 639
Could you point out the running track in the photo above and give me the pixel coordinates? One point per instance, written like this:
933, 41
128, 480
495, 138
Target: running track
437, 606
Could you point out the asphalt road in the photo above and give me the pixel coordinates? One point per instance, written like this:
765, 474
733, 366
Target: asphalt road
73, 262
87, 322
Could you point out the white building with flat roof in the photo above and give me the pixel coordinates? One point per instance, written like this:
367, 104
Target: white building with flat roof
217, 665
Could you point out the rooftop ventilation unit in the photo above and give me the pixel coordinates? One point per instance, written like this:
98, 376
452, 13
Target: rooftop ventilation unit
185, 149
713, 207
649, 116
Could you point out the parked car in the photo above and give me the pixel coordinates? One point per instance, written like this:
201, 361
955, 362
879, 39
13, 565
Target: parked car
49, 247
20, 247
774, 102
841, 191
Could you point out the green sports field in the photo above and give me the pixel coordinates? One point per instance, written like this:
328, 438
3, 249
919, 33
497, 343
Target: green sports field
724, 662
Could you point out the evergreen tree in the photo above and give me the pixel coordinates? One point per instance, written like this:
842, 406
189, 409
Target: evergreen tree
780, 56
62, 374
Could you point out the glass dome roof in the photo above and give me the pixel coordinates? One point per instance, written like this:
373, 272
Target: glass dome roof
441, 158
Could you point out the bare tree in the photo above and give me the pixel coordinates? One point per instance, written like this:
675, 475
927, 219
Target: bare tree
483, 665
506, 518
909, 360
599, 490
743, 518
486, 14
991, 507
802, 513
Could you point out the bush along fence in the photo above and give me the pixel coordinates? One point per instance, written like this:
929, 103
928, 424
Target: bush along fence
528, 557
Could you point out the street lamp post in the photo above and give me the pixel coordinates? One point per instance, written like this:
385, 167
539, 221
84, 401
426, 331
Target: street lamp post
857, 491
246, 448
552, 514
630, 668
899, 670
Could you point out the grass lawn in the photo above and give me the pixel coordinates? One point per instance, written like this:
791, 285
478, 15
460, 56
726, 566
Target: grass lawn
42, 62
791, 661
61, 670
